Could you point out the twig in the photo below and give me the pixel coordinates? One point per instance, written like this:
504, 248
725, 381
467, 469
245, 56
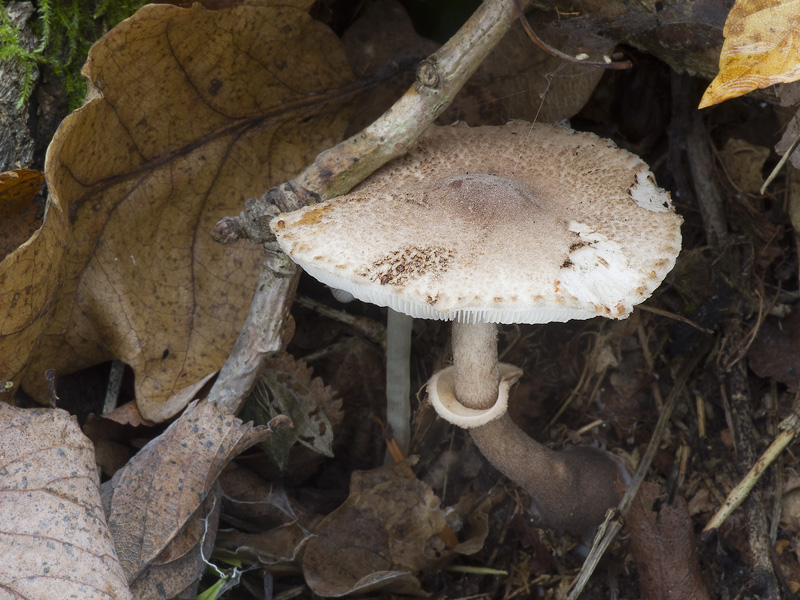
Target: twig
670, 315
615, 65
779, 166
744, 345
335, 172
474, 570
114, 386
590, 426
374, 331
701, 165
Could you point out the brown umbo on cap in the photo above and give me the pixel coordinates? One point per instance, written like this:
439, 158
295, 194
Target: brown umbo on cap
511, 224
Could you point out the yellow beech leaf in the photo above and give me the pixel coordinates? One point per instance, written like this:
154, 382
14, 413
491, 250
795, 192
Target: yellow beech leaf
31, 250
761, 48
195, 111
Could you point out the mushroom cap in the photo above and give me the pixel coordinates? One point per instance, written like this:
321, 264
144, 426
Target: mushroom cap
514, 224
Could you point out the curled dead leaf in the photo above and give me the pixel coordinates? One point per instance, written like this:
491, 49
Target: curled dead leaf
176, 572
760, 49
279, 545
743, 164
775, 352
663, 546
386, 532
20, 214
52, 525
152, 499
262, 504
195, 111
383, 32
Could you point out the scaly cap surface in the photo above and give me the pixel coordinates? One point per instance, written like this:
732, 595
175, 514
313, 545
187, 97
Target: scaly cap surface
511, 224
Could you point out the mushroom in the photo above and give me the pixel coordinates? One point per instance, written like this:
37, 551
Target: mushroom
514, 224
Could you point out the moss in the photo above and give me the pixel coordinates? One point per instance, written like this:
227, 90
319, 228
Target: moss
66, 29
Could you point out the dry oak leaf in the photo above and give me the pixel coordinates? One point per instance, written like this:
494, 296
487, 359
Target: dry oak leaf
157, 495
775, 352
262, 504
53, 533
279, 545
193, 111
29, 268
762, 41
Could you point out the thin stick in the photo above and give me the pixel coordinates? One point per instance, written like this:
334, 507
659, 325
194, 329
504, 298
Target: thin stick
616, 65
374, 331
789, 429
780, 164
671, 315
474, 570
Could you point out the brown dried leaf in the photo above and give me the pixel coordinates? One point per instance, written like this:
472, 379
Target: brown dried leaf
279, 545
111, 435
387, 530
518, 77
760, 49
29, 266
663, 546
53, 531
151, 500
304, 5
790, 509
128, 414
382, 33
20, 215
261, 504
177, 570
790, 135
775, 353
284, 523
743, 163
195, 111
355, 368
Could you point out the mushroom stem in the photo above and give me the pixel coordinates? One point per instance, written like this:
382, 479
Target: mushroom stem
475, 363
398, 376
571, 489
